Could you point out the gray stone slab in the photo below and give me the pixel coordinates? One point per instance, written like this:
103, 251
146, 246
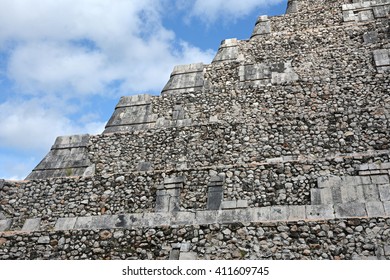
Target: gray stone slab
336, 194
174, 254
382, 57
83, 223
188, 256
386, 205
381, 11
279, 213
375, 209
228, 204
104, 221
183, 218
65, 223
206, 217
262, 27
214, 198
5, 224
162, 202
380, 179
174, 180
31, 225
228, 51
242, 203
129, 220
134, 100
156, 219
328, 182
315, 196
350, 210
386, 250
73, 141
297, 212
260, 214
2, 181
371, 193
319, 212
384, 192
352, 193
233, 216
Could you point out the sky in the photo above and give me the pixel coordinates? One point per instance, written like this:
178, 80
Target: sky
64, 64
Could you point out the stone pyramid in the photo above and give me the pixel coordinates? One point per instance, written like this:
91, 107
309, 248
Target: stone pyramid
278, 149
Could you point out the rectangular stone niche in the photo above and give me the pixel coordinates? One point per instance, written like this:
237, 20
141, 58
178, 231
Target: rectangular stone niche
168, 195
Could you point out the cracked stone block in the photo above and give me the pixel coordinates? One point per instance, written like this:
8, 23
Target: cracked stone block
260, 214
297, 212
384, 192
380, 179
352, 194
371, 193
83, 223
5, 224
65, 223
375, 209
349, 210
31, 225
279, 213
319, 212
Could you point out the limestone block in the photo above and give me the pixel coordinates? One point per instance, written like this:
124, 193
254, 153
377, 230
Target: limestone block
382, 11
73, 141
242, 203
129, 220
384, 192
5, 224
234, 215
188, 256
328, 182
185, 78
65, 223
375, 209
352, 193
336, 194
174, 180
183, 218
83, 223
156, 219
89, 171
145, 166
371, 193
297, 212
386, 205
104, 221
382, 59
206, 217
228, 51
380, 179
279, 213
262, 27
283, 73
228, 204
31, 225
321, 196
261, 214
319, 212
134, 100
350, 210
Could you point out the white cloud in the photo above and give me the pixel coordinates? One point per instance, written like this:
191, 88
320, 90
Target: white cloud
31, 125
211, 11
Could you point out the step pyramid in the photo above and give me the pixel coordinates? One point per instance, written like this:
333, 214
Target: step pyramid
278, 149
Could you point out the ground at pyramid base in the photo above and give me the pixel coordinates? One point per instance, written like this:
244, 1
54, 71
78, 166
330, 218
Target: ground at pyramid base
278, 149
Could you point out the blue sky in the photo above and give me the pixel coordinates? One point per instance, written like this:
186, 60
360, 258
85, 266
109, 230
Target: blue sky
64, 64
